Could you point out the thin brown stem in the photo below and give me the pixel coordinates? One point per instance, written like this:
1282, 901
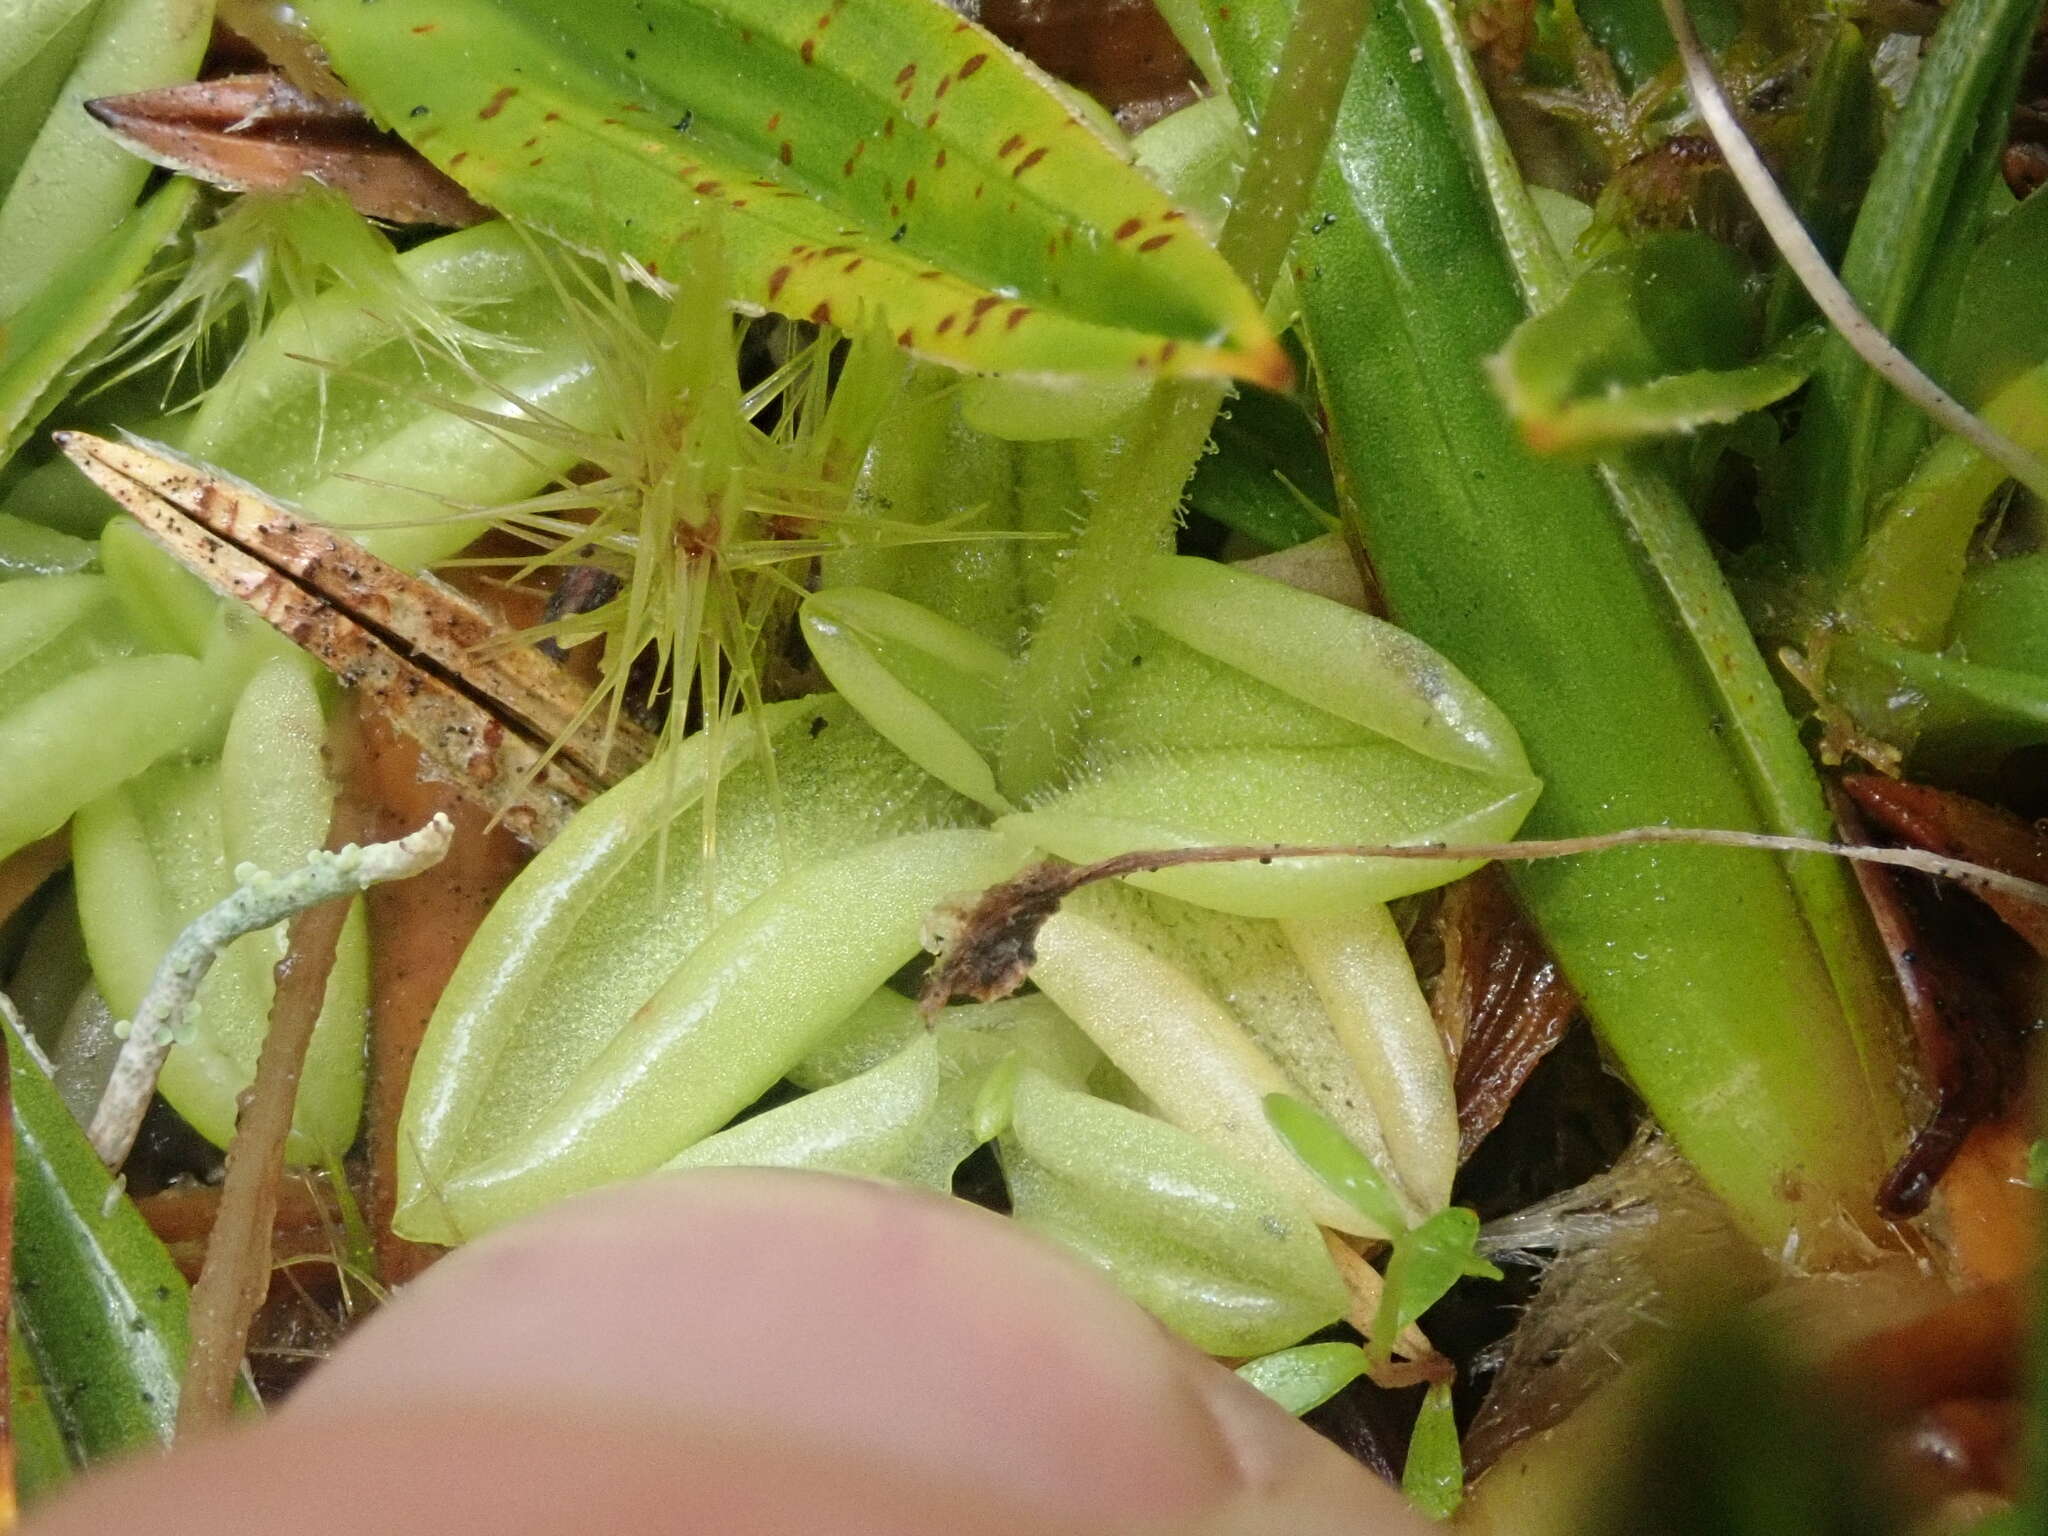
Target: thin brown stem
994, 942
1977, 878
236, 1275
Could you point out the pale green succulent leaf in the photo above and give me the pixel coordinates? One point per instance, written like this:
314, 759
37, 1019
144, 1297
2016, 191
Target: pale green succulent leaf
1306, 1376
933, 688
1201, 1242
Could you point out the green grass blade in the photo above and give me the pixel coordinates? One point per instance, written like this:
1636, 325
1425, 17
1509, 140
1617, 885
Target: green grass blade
42, 1461
101, 1304
1698, 966
1911, 245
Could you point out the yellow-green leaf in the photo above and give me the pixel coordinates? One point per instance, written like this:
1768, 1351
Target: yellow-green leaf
867, 162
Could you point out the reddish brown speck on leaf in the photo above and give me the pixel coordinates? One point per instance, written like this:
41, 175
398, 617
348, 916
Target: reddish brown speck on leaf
766, 185
531, 142
1128, 228
856, 264
746, 34
939, 161
776, 279
846, 169
896, 212
983, 305
774, 121
653, 269
931, 121
979, 189
836, 250
946, 322
1052, 246
809, 50
1170, 215
424, 28
1017, 317
889, 128
910, 189
906, 74
613, 122
1029, 161
1011, 145
786, 153
708, 188
1167, 352
552, 117
903, 337
930, 275
739, 202
458, 157
1154, 243
822, 314
945, 85
972, 64
824, 21
536, 160
496, 104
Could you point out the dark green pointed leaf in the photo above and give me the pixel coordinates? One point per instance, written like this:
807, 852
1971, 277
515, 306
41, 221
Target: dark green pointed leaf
102, 1306
1433, 1477
1426, 1262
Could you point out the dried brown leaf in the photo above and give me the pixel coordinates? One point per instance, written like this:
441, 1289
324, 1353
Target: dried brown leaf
1500, 996
1955, 826
502, 723
1969, 1043
261, 133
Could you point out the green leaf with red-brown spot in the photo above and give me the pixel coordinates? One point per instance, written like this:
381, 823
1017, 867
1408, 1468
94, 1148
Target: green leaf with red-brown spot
865, 162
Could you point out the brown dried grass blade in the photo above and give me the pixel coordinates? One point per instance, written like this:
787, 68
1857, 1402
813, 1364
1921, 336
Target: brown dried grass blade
453, 700
235, 1278
1955, 826
261, 133
438, 624
1972, 1055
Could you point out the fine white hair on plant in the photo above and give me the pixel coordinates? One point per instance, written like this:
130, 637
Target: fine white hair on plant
1796, 245
259, 900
